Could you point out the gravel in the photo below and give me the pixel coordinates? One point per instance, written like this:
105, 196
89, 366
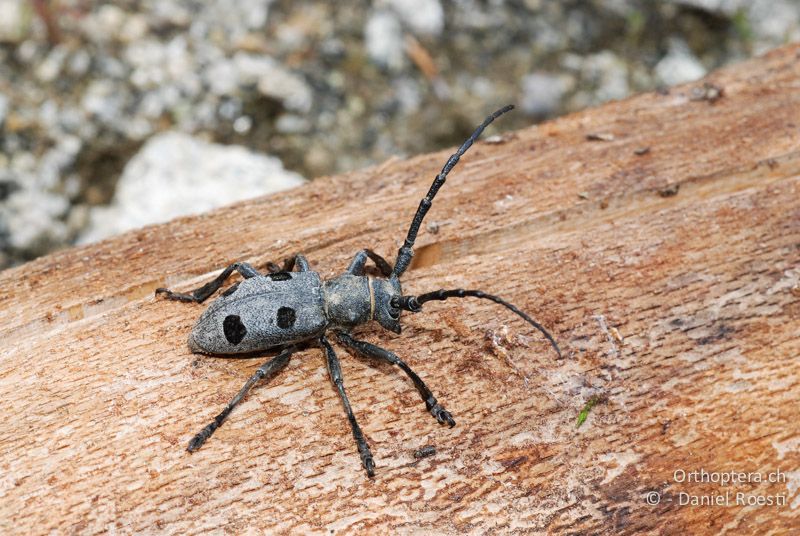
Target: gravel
301, 89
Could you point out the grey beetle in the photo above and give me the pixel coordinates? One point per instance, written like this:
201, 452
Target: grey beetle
286, 309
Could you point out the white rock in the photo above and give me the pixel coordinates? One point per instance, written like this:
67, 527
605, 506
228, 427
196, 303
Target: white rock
102, 100
610, 74
291, 124
103, 24
425, 17
679, 65
15, 20
50, 68
542, 93
242, 124
383, 37
175, 175
221, 77
147, 58
234, 19
33, 217
79, 63
273, 80
774, 22
135, 28
287, 87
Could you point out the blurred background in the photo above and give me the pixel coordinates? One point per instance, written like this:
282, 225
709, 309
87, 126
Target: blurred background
116, 115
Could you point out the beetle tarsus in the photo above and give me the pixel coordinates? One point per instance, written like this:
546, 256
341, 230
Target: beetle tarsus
369, 463
198, 440
335, 370
366, 349
438, 411
177, 296
267, 369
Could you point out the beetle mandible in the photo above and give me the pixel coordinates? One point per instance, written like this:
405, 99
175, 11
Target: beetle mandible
285, 309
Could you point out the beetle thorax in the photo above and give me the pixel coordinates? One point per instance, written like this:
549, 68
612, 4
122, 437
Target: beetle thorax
349, 300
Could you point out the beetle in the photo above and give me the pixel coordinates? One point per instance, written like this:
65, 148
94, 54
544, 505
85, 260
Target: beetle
292, 306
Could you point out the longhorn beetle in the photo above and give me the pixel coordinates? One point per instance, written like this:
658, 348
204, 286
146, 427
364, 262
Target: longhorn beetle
284, 309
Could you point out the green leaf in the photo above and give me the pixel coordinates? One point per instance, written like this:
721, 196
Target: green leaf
592, 402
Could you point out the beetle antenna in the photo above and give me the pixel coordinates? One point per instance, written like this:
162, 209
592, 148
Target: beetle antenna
414, 304
406, 252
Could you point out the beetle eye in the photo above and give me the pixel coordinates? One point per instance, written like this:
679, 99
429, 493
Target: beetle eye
234, 329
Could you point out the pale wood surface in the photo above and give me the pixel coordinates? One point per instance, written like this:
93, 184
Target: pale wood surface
100, 394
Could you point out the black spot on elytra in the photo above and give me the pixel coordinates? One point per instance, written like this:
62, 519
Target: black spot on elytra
231, 290
234, 329
280, 276
286, 317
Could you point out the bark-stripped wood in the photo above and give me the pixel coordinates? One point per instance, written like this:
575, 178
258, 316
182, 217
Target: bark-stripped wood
670, 277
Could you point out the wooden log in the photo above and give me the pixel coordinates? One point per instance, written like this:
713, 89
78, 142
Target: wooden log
657, 237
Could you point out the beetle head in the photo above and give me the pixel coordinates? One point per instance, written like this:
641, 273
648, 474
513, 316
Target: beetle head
386, 314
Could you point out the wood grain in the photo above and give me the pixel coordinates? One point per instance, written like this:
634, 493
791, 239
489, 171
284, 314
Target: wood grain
671, 280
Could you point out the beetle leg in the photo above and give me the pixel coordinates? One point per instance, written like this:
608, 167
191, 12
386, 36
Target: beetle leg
360, 261
289, 264
266, 370
201, 294
335, 371
370, 350
301, 263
